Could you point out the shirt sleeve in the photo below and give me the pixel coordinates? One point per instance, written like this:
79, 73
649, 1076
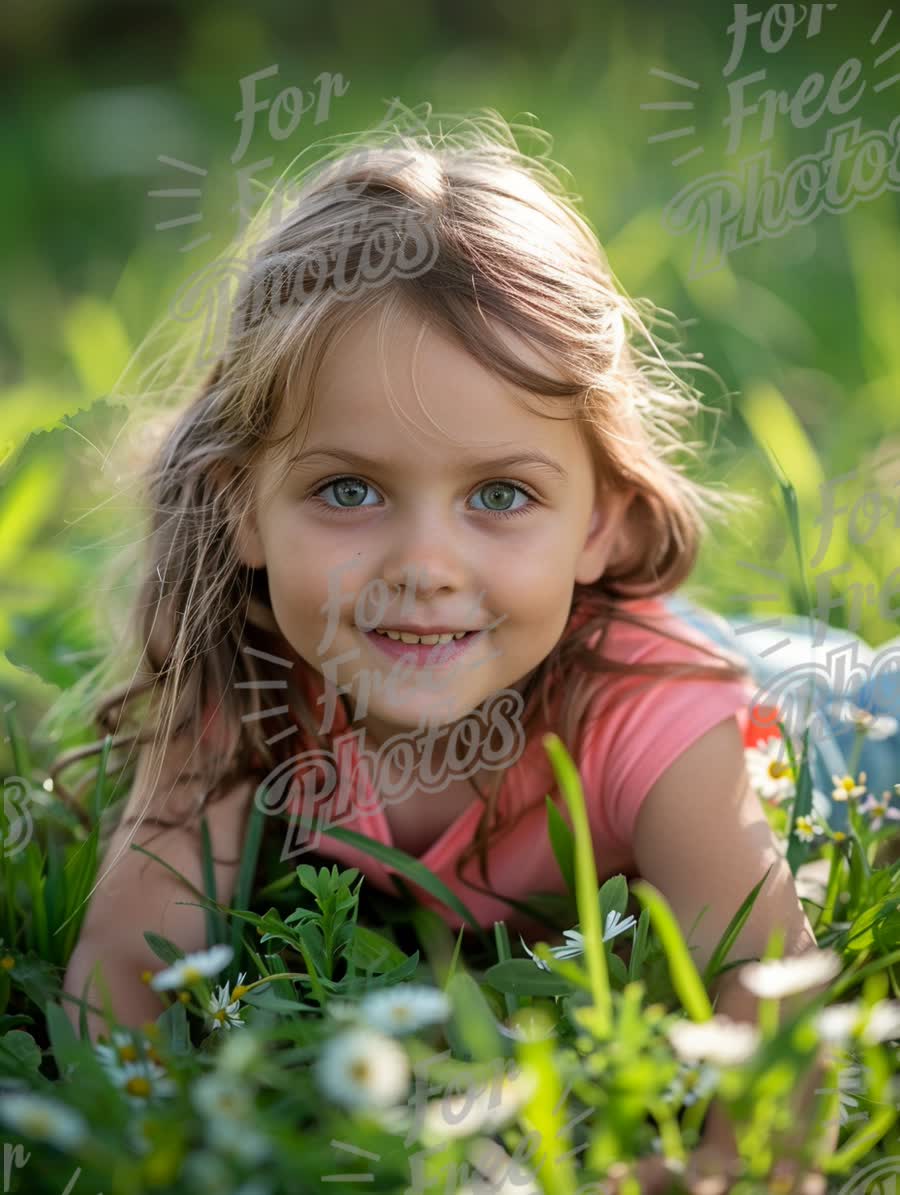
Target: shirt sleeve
641, 724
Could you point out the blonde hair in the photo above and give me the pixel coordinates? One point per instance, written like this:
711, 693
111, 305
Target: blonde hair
503, 246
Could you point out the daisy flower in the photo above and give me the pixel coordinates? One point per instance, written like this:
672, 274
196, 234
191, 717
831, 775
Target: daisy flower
142, 1081
574, 939
873, 726
122, 1050
770, 772
189, 970
363, 1069
44, 1119
227, 1110
405, 1008
846, 788
223, 1009
839, 1022
807, 828
849, 1086
719, 1040
778, 977
879, 810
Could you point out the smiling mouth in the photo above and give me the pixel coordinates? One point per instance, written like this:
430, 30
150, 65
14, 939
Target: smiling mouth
424, 640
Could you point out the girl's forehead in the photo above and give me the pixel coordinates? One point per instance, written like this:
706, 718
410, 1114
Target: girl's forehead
400, 368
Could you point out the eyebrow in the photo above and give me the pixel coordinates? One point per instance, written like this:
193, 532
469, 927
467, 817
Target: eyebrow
533, 457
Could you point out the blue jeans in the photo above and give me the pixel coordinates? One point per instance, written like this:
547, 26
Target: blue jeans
812, 671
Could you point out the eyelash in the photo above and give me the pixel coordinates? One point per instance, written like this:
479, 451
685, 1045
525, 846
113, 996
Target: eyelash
500, 514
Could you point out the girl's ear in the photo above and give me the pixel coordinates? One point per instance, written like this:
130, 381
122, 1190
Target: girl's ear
606, 532
248, 542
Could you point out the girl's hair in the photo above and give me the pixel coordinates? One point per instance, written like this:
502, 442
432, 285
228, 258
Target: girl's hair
472, 234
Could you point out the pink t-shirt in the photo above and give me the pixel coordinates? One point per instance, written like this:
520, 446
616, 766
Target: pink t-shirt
635, 728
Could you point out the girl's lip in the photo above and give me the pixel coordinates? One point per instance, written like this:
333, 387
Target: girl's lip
423, 654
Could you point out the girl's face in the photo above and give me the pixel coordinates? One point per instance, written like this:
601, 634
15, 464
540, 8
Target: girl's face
379, 523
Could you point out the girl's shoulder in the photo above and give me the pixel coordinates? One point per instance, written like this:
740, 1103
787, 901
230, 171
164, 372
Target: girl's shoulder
638, 724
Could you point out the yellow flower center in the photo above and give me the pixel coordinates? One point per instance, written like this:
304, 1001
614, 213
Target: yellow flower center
778, 769
401, 1013
127, 1053
190, 975
7, 962
220, 1015
146, 976
839, 836
36, 1122
359, 1071
138, 1086
847, 784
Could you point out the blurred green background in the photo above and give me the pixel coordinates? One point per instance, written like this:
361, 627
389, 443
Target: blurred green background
801, 328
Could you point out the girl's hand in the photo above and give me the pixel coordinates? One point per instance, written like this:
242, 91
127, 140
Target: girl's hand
710, 1171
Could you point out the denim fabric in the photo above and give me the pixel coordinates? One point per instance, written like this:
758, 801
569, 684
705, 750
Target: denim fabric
812, 670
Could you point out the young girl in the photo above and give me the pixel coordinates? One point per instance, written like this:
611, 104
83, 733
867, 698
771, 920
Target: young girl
434, 414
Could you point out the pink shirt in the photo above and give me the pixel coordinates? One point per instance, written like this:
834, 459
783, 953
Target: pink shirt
636, 727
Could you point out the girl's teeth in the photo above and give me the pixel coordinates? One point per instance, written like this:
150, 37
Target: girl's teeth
427, 640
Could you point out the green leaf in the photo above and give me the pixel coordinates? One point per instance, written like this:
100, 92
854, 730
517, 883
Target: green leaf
729, 937
215, 928
563, 843
163, 948
372, 951
21, 1049
409, 867
244, 887
524, 978
174, 1028
685, 978
473, 1024
639, 946
613, 897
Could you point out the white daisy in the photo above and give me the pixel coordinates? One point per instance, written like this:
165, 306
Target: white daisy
405, 1008
807, 828
122, 1050
192, 968
839, 1022
142, 1081
227, 1110
846, 788
719, 1040
877, 810
362, 1068
44, 1119
873, 726
574, 939
770, 770
240, 1053
774, 978
223, 1010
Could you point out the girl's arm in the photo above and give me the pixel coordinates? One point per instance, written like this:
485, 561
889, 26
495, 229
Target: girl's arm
702, 838
139, 894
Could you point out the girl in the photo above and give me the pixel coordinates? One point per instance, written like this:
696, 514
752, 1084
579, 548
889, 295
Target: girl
424, 507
